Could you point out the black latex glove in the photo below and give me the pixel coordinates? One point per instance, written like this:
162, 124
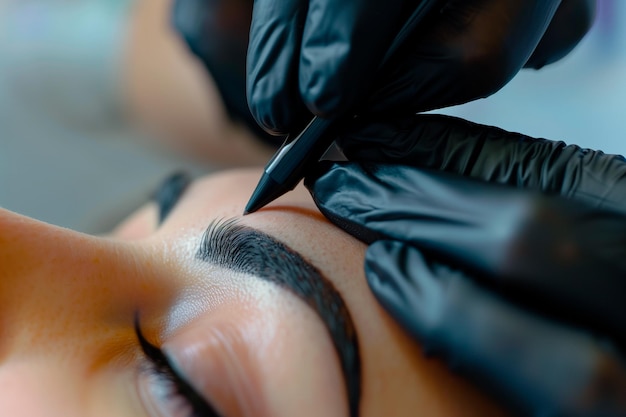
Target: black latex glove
320, 56
451, 144
517, 283
533, 366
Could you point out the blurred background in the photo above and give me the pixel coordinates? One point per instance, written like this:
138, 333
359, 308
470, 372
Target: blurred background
70, 155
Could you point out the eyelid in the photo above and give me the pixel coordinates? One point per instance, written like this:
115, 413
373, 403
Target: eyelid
163, 365
243, 249
216, 359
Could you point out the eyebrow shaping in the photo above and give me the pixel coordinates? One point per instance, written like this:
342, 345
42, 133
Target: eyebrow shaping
243, 249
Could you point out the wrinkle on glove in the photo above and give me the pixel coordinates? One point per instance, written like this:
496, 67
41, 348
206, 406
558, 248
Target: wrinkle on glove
303, 57
532, 365
488, 153
321, 57
559, 256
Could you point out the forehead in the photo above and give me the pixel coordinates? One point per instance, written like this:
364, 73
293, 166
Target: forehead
292, 219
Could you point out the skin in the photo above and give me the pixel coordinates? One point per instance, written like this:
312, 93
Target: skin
69, 300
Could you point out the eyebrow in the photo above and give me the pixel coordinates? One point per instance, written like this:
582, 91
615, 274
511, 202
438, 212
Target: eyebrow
243, 249
169, 191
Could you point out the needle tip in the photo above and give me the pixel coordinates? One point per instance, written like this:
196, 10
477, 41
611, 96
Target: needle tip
265, 192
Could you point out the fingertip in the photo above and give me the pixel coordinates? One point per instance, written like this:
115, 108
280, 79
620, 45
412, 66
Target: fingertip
272, 66
331, 81
276, 114
340, 56
261, 95
323, 94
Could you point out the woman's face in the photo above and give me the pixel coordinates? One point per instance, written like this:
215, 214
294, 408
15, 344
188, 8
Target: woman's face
263, 315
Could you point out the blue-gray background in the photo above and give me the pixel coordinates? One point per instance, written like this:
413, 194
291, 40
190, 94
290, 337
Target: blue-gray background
67, 157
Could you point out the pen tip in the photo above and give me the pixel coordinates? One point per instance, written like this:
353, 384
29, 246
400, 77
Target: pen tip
265, 192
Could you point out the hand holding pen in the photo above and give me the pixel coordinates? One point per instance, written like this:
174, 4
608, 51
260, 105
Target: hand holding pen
448, 52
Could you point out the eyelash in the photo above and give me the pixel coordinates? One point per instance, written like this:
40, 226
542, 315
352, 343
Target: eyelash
177, 388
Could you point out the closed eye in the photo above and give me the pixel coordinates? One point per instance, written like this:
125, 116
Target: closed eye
176, 386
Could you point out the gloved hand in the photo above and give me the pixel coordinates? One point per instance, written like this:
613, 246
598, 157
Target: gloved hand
522, 291
451, 144
320, 56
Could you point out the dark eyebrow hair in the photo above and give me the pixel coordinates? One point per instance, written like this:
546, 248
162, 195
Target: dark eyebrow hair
169, 191
243, 249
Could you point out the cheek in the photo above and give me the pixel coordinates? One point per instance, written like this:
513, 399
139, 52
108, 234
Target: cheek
20, 383
67, 387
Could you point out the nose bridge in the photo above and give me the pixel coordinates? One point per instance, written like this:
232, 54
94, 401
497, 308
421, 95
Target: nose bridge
36, 257
27, 244
56, 283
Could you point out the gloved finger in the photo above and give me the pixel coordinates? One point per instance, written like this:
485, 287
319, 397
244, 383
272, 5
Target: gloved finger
491, 154
272, 64
333, 58
341, 54
534, 365
469, 49
527, 245
570, 24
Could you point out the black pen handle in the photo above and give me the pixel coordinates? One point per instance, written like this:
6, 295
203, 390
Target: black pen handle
318, 135
311, 144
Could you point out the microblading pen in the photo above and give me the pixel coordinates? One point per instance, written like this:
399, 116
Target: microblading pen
296, 156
